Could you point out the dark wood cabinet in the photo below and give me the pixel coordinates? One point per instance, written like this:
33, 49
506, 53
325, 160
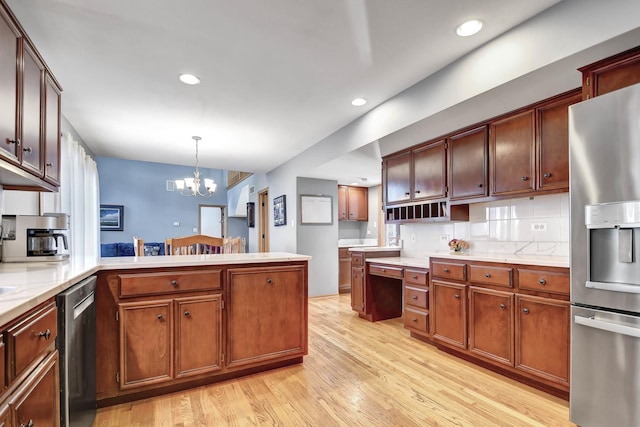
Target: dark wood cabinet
553, 142
397, 178
5, 416
344, 270
353, 203
611, 73
52, 131
357, 289
10, 39
416, 301
429, 171
542, 338
468, 164
32, 88
491, 324
449, 313
512, 154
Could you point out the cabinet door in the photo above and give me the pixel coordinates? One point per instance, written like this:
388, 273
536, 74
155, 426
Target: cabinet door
5, 416
468, 158
198, 335
37, 402
343, 202
52, 132
344, 270
512, 154
449, 314
553, 143
429, 171
9, 40
542, 337
397, 178
146, 336
357, 289
32, 84
491, 324
358, 203
611, 73
266, 314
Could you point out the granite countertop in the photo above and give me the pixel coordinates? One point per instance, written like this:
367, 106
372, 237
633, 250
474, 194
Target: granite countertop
26, 285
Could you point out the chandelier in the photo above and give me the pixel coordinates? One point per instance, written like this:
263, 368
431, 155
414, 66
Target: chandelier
191, 186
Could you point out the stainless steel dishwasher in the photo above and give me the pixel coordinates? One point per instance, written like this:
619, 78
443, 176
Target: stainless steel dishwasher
77, 346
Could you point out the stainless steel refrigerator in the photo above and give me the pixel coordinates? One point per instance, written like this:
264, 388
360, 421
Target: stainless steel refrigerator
604, 162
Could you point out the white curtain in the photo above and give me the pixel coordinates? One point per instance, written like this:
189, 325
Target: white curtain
80, 197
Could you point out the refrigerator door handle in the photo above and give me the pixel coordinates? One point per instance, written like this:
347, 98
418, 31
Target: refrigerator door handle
616, 287
608, 326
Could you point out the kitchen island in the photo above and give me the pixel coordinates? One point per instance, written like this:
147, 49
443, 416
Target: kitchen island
172, 322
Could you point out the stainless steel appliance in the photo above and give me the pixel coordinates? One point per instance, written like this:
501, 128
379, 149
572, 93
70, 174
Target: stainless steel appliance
35, 237
76, 343
604, 156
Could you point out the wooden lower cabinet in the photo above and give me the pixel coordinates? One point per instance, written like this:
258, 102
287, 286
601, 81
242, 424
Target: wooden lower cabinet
344, 270
449, 313
357, 289
491, 324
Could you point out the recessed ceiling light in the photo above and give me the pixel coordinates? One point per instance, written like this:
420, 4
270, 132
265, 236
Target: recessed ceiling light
189, 79
358, 102
469, 28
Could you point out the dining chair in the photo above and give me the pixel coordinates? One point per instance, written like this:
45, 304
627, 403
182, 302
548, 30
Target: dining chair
193, 245
234, 245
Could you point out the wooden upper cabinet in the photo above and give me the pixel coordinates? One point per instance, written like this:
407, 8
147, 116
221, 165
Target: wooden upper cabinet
397, 178
429, 171
512, 149
353, 203
32, 84
612, 73
553, 142
343, 202
52, 131
9, 69
468, 164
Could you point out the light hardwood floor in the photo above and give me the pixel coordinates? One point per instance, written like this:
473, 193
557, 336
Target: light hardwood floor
357, 373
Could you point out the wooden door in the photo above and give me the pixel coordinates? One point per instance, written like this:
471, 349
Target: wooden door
343, 202
9, 69
397, 178
357, 289
512, 153
32, 89
468, 164
553, 142
491, 324
37, 402
266, 314
449, 313
198, 335
542, 337
429, 171
146, 342
358, 203
52, 132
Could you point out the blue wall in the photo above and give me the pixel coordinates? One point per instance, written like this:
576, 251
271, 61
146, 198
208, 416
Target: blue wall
150, 210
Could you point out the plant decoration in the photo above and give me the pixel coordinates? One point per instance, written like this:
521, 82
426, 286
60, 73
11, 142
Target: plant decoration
458, 245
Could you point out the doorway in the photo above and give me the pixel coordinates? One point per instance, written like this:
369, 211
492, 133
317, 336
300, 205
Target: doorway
263, 220
213, 220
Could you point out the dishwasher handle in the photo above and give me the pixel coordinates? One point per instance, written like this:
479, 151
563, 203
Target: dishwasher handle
608, 326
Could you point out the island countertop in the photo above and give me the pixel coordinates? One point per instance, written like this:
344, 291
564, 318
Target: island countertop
26, 285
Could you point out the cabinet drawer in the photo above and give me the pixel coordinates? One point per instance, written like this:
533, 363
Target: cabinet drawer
31, 338
449, 270
418, 298
133, 285
344, 253
416, 320
490, 275
357, 260
386, 271
416, 277
544, 281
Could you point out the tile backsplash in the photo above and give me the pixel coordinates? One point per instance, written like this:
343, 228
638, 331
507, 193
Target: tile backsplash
533, 226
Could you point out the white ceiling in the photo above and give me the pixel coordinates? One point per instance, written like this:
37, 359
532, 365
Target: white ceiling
277, 76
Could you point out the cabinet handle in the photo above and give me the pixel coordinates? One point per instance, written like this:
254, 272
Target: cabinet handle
479, 185
29, 424
174, 283
502, 306
414, 297
49, 164
524, 178
160, 317
525, 310
187, 313
46, 334
446, 270
407, 193
417, 191
269, 281
547, 175
28, 150
542, 282
456, 296
384, 270
415, 319
14, 141
487, 275
414, 277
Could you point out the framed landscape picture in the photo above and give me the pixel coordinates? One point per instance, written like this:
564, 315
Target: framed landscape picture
280, 210
111, 217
